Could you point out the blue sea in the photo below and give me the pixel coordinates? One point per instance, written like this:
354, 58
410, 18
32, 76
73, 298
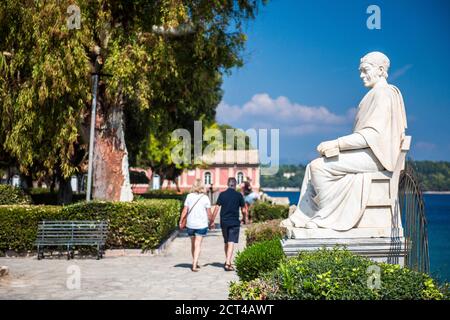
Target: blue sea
437, 211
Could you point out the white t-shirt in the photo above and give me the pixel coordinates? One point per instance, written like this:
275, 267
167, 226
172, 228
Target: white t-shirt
198, 216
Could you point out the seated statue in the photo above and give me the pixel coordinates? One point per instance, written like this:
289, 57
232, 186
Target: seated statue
335, 188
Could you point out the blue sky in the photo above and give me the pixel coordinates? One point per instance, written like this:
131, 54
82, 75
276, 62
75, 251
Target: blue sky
301, 72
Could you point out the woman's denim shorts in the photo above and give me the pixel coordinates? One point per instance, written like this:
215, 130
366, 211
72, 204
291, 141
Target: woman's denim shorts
197, 232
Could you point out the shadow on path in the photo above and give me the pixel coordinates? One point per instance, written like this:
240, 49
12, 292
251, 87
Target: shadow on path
183, 265
215, 264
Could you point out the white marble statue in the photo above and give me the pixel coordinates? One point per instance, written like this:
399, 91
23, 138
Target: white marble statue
335, 188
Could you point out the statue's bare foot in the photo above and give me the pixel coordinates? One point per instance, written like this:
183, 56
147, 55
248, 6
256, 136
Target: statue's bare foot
286, 223
311, 225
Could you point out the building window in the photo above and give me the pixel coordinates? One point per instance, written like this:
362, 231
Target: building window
240, 177
208, 178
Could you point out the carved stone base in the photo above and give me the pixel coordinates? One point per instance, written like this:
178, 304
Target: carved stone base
390, 249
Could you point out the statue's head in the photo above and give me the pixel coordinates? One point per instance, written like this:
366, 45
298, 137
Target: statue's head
374, 66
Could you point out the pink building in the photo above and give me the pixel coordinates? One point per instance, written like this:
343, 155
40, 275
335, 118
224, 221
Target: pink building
241, 164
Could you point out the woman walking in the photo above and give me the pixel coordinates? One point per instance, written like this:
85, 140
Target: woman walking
247, 193
196, 216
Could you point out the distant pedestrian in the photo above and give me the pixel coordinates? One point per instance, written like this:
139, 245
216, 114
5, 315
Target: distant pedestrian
230, 201
249, 202
196, 217
246, 191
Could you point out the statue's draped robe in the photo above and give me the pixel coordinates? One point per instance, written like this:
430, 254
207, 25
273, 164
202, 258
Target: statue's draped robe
335, 190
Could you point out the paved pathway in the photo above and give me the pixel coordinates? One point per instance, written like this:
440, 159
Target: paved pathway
167, 276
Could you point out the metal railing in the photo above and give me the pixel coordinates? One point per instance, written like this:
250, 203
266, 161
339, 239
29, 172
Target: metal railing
414, 220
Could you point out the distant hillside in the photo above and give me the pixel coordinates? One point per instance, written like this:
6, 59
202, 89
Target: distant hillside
278, 180
433, 176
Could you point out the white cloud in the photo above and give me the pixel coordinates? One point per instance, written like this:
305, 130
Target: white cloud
262, 111
400, 72
425, 146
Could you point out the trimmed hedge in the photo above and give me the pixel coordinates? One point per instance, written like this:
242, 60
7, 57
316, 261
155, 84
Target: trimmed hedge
338, 275
263, 231
165, 192
10, 195
259, 258
162, 194
18, 225
263, 211
139, 224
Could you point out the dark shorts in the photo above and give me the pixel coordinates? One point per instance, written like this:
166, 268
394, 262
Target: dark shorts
230, 233
197, 232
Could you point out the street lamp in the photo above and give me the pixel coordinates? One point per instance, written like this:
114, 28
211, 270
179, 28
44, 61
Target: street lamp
91, 134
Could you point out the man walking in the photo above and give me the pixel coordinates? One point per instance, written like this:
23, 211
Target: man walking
229, 202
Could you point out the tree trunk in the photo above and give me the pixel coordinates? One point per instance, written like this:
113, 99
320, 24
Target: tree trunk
26, 182
9, 176
149, 175
53, 184
111, 179
65, 194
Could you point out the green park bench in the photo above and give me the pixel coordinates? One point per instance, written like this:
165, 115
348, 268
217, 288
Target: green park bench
68, 234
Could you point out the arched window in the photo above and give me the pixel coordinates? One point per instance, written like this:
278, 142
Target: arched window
208, 178
240, 177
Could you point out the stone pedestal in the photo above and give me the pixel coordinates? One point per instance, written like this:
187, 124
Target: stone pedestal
378, 244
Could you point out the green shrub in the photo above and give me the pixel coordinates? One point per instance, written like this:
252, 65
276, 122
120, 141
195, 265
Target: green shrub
139, 224
12, 195
44, 196
256, 289
340, 275
445, 289
163, 194
263, 211
263, 231
259, 258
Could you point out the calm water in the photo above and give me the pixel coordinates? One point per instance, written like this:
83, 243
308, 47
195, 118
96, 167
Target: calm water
437, 210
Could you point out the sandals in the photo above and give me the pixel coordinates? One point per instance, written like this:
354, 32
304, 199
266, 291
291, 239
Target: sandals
197, 268
228, 267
